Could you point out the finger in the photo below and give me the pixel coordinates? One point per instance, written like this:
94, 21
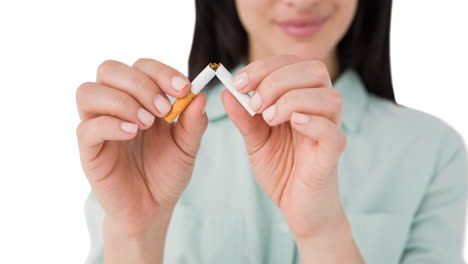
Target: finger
170, 81
92, 133
248, 78
135, 83
294, 76
324, 102
95, 99
192, 123
253, 129
331, 140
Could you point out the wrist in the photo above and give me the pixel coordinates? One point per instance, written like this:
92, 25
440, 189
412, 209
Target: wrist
331, 245
135, 242
137, 226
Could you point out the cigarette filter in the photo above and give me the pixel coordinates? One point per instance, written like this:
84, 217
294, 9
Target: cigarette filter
202, 79
226, 78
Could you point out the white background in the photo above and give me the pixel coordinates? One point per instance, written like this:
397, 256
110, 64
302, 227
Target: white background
48, 48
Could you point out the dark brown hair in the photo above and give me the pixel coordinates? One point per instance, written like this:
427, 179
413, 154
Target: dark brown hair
364, 48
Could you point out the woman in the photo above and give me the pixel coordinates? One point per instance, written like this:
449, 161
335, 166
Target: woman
331, 169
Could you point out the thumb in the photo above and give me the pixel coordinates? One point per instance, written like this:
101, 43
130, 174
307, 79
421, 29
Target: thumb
253, 128
192, 123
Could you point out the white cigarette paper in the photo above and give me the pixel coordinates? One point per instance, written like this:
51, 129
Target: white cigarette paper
202, 79
226, 78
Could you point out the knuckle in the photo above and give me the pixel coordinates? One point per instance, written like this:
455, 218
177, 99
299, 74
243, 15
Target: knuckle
120, 101
82, 90
143, 61
104, 66
273, 80
141, 81
318, 68
288, 101
327, 127
79, 130
335, 99
167, 71
342, 141
258, 65
122, 107
140, 61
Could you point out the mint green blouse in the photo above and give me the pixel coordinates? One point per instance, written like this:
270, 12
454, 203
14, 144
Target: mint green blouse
402, 179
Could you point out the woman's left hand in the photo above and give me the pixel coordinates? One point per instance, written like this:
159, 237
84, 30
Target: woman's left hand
295, 144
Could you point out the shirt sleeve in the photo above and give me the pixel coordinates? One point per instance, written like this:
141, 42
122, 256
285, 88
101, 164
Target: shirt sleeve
438, 226
94, 214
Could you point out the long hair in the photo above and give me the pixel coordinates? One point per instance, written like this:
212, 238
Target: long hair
364, 48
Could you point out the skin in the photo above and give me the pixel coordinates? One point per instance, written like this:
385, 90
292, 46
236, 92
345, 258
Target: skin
296, 163
137, 177
136, 185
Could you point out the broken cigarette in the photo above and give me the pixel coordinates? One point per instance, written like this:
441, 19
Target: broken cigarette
202, 79
226, 78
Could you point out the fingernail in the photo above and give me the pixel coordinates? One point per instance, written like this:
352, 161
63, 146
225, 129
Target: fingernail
269, 113
162, 104
255, 102
300, 118
145, 117
240, 81
129, 127
178, 83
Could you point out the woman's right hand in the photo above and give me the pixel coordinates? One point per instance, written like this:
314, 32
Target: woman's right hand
136, 175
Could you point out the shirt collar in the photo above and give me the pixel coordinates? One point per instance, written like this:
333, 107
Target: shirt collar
349, 84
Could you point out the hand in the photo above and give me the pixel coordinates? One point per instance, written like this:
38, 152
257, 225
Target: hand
295, 145
140, 173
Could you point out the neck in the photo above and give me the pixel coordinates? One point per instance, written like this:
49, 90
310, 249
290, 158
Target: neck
330, 61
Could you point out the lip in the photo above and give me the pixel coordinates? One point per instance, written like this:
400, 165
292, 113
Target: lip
302, 27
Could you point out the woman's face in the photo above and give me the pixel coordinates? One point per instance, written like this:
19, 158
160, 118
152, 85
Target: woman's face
307, 28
